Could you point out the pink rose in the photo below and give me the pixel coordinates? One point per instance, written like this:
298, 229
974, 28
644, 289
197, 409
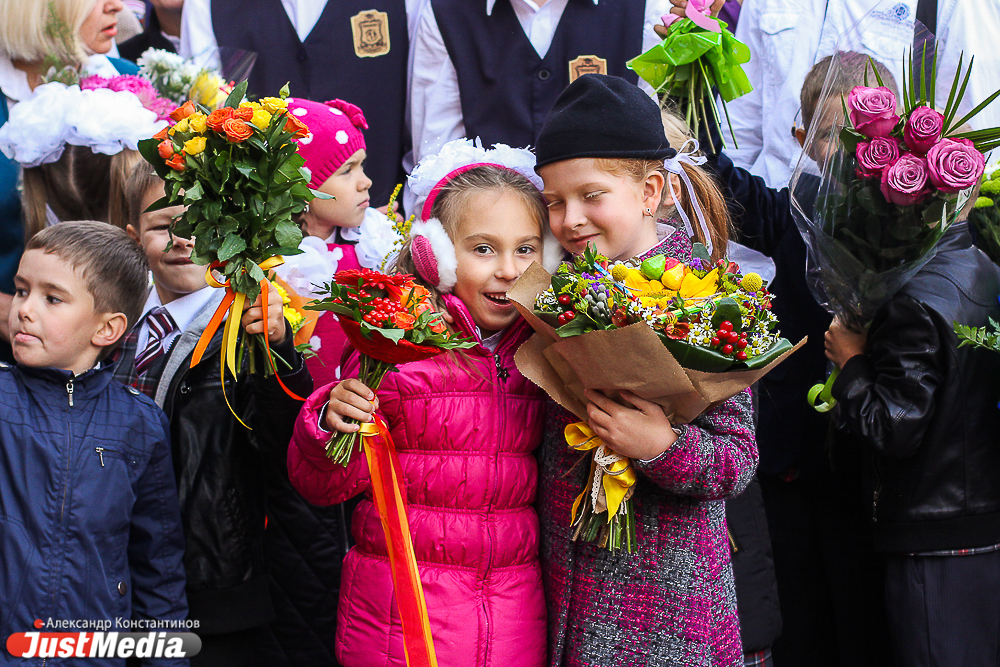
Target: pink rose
923, 129
955, 165
904, 183
876, 155
873, 111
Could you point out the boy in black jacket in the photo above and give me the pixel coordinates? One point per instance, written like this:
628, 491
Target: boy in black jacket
220, 464
926, 413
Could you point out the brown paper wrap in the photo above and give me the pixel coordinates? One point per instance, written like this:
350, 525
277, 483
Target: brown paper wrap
631, 358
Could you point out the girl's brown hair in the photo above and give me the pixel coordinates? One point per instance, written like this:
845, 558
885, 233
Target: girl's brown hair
455, 200
710, 198
77, 186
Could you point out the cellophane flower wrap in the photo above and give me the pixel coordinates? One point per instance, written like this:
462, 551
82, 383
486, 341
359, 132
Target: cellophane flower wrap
687, 336
389, 320
879, 182
698, 55
237, 172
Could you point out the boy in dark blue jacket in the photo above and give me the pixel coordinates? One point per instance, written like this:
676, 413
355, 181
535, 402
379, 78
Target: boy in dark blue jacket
89, 522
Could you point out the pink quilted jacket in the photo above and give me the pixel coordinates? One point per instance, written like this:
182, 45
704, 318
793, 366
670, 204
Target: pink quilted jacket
465, 436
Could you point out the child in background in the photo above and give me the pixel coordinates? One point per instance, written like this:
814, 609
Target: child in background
606, 164
89, 519
465, 426
220, 464
341, 234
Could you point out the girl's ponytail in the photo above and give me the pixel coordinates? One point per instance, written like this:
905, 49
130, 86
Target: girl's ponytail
713, 205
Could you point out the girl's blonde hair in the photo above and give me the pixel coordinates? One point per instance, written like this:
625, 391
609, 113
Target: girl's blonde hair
710, 198
455, 200
30, 30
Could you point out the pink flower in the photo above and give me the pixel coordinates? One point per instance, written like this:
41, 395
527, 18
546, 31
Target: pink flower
132, 84
923, 129
955, 164
873, 111
94, 82
904, 183
876, 155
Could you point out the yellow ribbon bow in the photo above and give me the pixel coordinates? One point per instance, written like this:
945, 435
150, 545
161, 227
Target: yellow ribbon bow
612, 477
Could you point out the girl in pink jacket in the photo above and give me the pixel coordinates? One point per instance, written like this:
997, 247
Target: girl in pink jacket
465, 426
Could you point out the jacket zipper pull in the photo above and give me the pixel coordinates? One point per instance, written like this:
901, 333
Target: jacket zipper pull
502, 372
100, 452
69, 392
875, 507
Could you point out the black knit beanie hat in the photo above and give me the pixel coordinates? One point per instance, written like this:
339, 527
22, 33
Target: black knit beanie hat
602, 116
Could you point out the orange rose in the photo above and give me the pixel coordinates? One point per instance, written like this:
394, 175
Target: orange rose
438, 325
296, 127
236, 130
403, 320
162, 134
182, 112
244, 113
166, 149
218, 117
177, 162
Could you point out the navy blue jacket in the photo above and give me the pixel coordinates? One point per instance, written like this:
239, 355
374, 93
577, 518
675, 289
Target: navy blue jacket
90, 526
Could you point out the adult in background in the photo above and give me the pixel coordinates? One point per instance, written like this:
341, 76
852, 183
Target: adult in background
348, 49
163, 30
788, 37
492, 69
24, 45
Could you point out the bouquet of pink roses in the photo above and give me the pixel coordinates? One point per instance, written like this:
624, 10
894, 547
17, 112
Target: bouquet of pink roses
879, 183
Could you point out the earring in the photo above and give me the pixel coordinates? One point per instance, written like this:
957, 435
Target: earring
649, 212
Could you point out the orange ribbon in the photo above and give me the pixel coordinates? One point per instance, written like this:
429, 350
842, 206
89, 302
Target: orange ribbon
384, 468
232, 303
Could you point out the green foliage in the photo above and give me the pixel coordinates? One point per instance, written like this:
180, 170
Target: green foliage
979, 337
240, 196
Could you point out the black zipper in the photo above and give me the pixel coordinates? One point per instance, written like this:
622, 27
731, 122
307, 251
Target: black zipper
878, 488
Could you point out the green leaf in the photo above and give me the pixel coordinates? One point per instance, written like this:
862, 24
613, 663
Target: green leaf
772, 353
235, 97
948, 111
958, 99
695, 357
850, 138
232, 246
727, 310
287, 233
699, 251
194, 193
969, 116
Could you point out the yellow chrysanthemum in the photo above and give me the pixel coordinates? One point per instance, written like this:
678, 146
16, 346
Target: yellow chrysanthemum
295, 318
261, 119
195, 146
285, 299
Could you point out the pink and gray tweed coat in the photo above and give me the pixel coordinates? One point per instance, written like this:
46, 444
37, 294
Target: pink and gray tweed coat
672, 603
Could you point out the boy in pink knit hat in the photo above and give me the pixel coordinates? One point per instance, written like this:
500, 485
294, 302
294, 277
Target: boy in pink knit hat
341, 233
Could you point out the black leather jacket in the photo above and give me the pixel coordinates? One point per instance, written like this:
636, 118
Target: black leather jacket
220, 467
928, 409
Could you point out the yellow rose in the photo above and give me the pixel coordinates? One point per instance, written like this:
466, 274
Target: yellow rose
273, 104
195, 146
261, 119
181, 126
196, 122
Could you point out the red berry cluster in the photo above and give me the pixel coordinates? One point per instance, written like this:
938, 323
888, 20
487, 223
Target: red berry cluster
568, 314
729, 341
381, 312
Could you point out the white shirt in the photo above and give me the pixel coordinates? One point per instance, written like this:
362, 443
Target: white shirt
182, 310
435, 104
198, 34
787, 37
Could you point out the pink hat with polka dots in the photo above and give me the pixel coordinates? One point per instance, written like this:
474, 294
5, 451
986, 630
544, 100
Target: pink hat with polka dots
334, 135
